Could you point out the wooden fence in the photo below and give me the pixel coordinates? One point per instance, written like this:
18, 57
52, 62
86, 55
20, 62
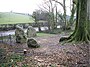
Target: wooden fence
10, 39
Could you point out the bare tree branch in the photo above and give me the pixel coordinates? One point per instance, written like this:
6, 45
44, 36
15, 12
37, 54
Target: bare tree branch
58, 2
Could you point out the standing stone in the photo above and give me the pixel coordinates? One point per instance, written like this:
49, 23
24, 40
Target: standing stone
31, 32
20, 35
32, 43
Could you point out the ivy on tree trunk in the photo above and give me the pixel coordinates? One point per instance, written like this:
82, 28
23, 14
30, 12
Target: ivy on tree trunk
82, 29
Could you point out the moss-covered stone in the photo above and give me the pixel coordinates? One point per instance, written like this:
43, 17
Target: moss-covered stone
31, 32
32, 43
20, 35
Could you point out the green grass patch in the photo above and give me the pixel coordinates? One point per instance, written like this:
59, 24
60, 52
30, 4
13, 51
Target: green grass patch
14, 18
44, 34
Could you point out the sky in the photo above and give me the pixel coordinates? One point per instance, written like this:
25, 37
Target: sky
23, 6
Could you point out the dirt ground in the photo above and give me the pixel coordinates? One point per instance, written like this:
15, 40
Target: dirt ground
52, 53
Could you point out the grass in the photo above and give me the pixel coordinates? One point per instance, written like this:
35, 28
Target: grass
44, 34
14, 18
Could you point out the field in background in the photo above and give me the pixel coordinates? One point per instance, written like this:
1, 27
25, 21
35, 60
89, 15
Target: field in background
14, 18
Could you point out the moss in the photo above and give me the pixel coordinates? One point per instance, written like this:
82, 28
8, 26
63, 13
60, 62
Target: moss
32, 43
63, 39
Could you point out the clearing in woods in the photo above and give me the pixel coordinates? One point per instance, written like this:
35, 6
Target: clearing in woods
51, 52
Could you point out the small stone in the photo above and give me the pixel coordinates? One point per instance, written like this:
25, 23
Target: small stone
85, 55
25, 51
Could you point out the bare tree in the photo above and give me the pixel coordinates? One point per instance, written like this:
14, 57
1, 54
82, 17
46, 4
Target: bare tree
49, 6
72, 9
64, 11
35, 15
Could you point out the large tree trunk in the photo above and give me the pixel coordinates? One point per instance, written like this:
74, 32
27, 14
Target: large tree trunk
82, 29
